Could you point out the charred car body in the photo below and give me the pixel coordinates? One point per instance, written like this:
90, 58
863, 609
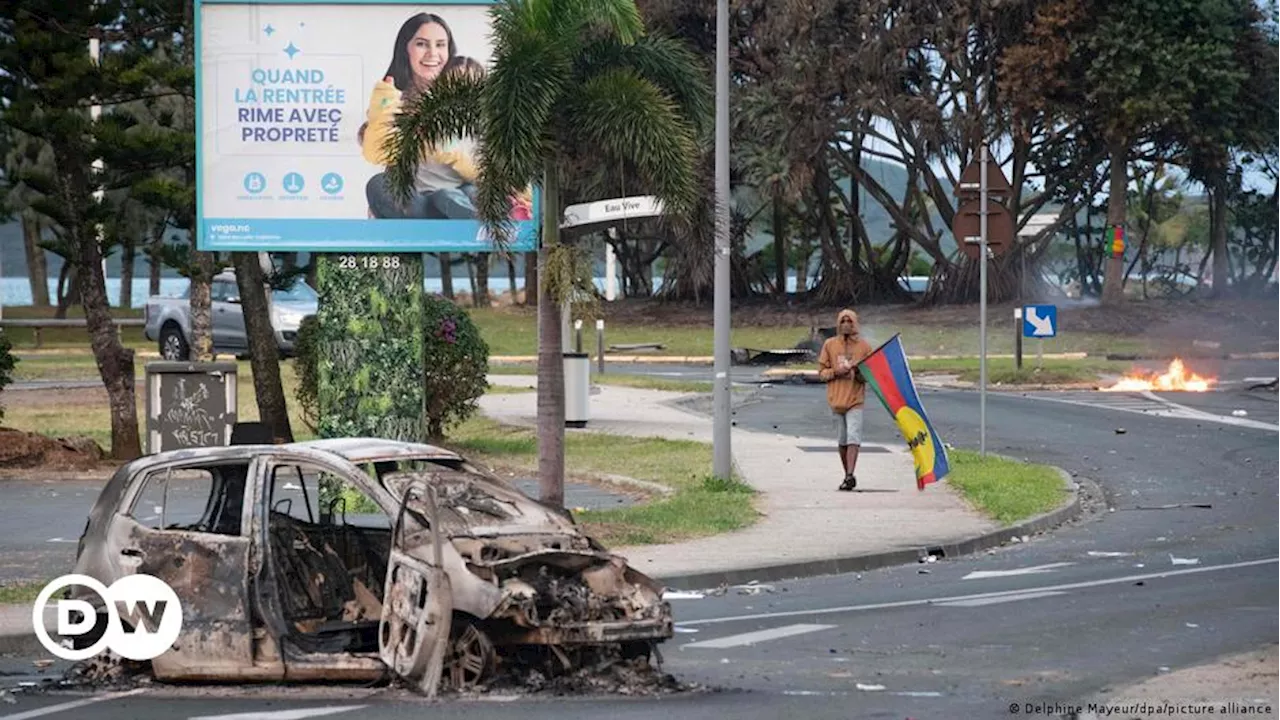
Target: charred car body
343, 559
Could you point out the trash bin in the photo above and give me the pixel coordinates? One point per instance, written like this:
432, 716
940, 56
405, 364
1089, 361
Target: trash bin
577, 389
189, 404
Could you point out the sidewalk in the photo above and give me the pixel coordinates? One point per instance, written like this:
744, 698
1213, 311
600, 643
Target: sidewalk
807, 527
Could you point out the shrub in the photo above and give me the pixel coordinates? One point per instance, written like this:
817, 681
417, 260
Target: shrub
456, 363
7, 363
306, 365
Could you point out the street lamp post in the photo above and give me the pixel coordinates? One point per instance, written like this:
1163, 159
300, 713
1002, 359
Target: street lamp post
723, 463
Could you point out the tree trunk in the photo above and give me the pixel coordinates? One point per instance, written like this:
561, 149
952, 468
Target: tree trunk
511, 278
530, 277
37, 269
446, 274
1113, 283
201, 308
480, 290
128, 252
264, 354
1218, 236
550, 357
69, 293
115, 361
156, 268
802, 264
779, 248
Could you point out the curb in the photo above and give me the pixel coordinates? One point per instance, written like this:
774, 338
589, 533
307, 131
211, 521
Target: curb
24, 645
810, 377
874, 561
1196, 356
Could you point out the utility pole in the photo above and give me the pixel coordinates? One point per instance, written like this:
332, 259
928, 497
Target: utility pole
723, 459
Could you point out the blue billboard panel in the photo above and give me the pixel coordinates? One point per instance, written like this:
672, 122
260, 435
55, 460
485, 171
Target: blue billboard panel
294, 102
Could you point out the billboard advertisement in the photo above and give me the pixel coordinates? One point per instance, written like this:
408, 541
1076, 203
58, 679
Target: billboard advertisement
293, 102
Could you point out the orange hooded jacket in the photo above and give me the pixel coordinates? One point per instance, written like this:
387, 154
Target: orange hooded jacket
847, 392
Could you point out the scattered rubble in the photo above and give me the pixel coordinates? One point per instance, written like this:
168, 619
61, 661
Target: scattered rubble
108, 671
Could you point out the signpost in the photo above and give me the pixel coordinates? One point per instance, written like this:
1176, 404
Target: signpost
1036, 321
979, 182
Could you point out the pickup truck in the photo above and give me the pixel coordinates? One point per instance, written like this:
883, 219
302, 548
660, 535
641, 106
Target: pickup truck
168, 319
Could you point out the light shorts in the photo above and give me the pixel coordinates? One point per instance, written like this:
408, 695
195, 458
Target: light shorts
849, 427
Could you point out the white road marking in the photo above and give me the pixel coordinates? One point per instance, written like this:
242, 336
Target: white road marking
61, 540
758, 636
978, 602
984, 574
296, 714
1157, 407
953, 598
74, 704
1102, 553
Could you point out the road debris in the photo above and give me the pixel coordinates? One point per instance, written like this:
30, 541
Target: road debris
682, 595
1103, 553
869, 688
1183, 561
754, 587
1239, 413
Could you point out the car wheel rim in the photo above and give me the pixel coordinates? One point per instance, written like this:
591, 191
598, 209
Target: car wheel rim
172, 348
471, 658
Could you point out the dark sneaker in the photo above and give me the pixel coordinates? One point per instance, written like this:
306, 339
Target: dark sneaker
850, 482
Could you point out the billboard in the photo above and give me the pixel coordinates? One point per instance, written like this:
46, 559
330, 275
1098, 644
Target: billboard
293, 101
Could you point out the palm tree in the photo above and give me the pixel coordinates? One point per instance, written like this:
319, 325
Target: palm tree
568, 77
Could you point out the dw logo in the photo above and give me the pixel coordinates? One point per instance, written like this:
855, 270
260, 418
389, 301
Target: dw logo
143, 617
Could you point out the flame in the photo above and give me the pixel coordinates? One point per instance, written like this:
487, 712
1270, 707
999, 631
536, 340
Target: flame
1176, 378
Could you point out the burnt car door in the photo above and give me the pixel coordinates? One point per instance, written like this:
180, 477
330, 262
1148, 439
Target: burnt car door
185, 523
414, 631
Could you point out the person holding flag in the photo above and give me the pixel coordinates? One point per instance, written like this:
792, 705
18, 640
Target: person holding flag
846, 391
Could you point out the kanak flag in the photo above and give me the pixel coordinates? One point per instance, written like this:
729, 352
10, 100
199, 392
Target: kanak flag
886, 371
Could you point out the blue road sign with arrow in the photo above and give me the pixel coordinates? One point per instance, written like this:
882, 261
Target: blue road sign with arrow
1040, 321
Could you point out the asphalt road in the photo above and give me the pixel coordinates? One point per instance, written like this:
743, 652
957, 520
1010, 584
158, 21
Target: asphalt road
1149, 583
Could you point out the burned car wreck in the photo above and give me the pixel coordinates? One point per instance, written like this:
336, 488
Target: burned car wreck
349, 559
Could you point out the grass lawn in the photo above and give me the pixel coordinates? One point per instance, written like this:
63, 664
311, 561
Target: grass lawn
646, 382
1002, 370
700, 505
67, 337
21, 593
1006, 490
512, 331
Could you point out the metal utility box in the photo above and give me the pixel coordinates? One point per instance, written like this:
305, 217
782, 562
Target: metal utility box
190, 404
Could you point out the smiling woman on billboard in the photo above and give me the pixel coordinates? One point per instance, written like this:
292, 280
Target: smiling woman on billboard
444, 186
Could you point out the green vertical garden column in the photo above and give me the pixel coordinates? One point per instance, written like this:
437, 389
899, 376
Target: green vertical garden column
371, 346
